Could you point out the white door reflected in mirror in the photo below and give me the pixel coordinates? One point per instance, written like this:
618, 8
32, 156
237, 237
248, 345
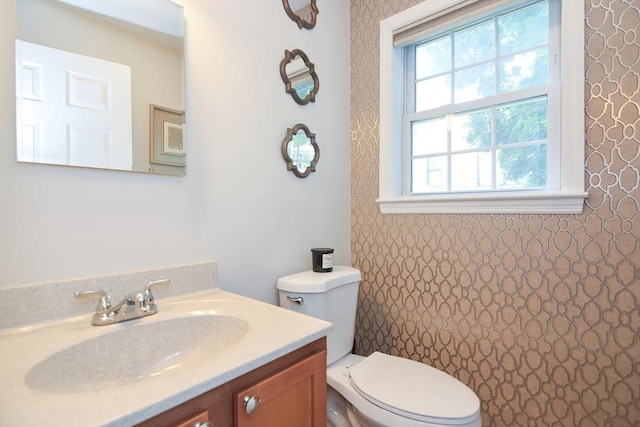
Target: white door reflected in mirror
86, 122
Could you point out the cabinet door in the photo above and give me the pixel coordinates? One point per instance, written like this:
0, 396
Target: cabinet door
293, 397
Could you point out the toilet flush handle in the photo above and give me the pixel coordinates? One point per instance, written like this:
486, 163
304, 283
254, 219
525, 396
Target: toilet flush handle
297, 300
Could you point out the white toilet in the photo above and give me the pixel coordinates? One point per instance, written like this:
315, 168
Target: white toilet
378, 390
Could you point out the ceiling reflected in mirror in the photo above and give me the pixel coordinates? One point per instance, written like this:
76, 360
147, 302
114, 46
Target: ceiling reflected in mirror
300, 150
302, 12
299, 76
87, 76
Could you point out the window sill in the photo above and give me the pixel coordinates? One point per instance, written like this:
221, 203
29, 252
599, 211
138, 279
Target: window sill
521, 202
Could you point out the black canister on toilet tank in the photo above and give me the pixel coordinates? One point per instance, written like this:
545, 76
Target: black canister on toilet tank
322, 259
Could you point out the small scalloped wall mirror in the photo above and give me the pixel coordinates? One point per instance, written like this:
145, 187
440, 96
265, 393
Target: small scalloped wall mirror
81, 104
302, 12
300, 150
299, 76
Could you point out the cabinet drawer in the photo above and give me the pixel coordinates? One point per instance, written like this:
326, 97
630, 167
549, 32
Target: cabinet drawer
199, 420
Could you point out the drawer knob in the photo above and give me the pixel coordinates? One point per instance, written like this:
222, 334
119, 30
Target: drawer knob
251, 403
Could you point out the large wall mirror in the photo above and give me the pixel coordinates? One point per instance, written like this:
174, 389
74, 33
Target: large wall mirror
101, 84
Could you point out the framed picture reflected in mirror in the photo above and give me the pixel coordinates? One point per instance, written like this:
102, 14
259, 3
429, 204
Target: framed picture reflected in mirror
167, 136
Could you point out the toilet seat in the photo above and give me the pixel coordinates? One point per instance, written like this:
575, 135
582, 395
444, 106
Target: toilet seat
414, 390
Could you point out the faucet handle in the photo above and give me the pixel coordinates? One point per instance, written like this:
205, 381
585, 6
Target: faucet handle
147, 289
103, 304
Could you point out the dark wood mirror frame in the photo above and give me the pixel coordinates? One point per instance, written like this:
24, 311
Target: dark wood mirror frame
302, 23
289, 56
291, 166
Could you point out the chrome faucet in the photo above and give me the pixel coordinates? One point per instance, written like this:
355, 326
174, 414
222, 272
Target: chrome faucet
132, 306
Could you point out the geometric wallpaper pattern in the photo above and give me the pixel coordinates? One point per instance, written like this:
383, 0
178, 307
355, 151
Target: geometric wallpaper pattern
538, 314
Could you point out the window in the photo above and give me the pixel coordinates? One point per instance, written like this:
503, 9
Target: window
476, 114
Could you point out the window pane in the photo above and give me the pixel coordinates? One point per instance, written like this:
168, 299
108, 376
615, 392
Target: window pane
429, 137
524, 28
474, 83
471, 171
432, 93
474, 44
522, 167
433, 57
524, 121
429, 175
524, 70
471, 130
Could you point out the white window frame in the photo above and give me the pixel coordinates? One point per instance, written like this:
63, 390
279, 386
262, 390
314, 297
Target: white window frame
568, 199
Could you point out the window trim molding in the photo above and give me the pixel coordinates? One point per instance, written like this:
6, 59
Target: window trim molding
569, 199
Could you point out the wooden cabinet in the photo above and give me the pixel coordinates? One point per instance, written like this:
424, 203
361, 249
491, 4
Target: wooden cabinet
289, 391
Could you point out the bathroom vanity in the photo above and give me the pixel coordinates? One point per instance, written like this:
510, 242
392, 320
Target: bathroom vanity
291, 392
205, 356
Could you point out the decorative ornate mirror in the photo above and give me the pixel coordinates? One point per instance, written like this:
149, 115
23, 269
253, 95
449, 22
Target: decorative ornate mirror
302, 12
299, 76
300, 150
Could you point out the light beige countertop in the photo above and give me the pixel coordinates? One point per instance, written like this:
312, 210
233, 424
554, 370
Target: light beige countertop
266, 333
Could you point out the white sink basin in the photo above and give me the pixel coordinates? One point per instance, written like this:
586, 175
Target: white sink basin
134, 350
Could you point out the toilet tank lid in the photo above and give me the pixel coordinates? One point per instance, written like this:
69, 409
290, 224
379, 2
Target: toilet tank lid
311, 282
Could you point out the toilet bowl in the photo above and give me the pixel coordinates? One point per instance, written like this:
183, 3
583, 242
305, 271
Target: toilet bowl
379, 390
407, 400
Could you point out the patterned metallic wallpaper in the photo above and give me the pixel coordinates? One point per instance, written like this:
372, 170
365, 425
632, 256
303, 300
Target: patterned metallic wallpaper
538, 314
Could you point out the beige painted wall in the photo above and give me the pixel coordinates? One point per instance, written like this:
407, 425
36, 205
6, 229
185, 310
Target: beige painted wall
538, 314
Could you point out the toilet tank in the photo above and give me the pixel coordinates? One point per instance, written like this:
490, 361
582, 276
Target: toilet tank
331, 296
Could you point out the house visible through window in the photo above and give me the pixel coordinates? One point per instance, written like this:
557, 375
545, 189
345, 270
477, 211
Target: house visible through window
479, 112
